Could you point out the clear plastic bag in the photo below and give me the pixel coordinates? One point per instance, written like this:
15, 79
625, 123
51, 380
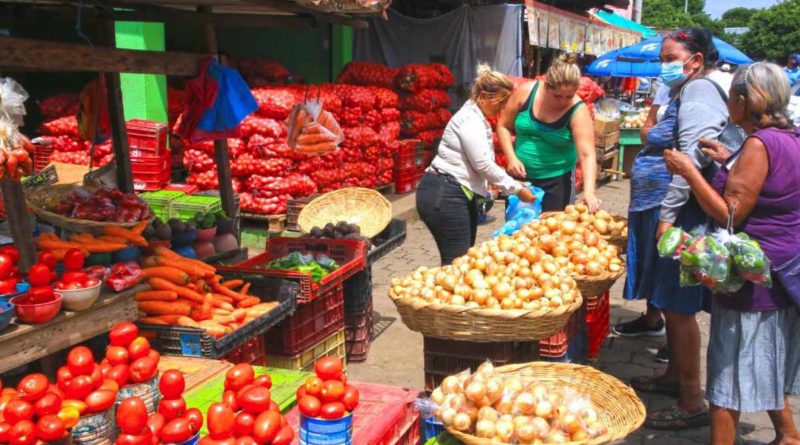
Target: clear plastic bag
312, 130
12, 100
672, 242
750, 261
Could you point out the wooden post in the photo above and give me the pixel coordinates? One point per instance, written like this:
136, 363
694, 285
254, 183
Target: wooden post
116, 117
19, 222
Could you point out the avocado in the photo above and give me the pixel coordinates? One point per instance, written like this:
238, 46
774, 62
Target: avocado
329, 231
316, 232
149, 232
164, 232
343, 228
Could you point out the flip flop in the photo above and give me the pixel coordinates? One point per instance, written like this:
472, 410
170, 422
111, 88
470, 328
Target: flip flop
656, 385
673, 418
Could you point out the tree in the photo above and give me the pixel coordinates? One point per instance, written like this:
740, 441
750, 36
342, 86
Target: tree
737, 17
777, 33
670, 13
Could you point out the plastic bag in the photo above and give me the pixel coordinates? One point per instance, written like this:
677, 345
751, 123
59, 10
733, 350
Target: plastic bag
519, 213
313, 130
12, 100
124, 276
672, 242
750, 261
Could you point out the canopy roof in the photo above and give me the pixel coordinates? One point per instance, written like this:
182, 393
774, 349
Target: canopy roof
620, 21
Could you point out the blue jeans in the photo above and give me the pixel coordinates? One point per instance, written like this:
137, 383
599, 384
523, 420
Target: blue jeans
451, 218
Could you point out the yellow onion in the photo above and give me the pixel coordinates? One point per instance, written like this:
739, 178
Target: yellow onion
485, 429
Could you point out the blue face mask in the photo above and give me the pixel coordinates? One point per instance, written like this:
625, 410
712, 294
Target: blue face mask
672, 73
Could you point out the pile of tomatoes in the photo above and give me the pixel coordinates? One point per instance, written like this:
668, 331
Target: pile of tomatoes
36, 410
9, 271
74, 277
129, 357
327, 395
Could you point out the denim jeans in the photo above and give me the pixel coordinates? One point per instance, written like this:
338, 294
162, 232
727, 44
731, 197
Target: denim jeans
448, 214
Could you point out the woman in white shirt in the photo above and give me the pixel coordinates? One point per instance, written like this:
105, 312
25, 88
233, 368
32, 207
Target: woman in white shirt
463, 167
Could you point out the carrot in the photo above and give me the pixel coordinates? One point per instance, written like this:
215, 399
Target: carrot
112, 239
135, 238
54, 243
156, 295
162, 284
223, 319
207, 300
239, 315
218, 311
223, 298
244, 289
165, 307
232, 284
152, 320
248, 302
171, 319
187, 322
167, 253
227, 292
172, 274
226, 306
214, 328
139, 228
190, 268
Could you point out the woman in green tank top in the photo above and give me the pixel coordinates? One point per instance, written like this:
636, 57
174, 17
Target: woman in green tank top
553, 127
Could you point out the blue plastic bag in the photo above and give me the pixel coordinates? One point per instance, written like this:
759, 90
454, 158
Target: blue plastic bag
519, 213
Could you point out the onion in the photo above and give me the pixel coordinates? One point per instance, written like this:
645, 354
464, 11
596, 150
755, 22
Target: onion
571, 423
504, 430
501, 291
458, 300
526, 433
447, 416
488, 413
541, 426
462, 422
437, 396
556, 436
525, 403
475, 391
485, 429
450, 385
449, 282
494, 389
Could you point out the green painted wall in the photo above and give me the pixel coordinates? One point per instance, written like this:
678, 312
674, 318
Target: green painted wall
144, 96
342, 52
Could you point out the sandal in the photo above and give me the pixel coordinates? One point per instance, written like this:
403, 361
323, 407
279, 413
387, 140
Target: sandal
655, 385
674, 418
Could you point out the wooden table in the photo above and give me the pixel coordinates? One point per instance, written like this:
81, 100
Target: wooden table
23, 343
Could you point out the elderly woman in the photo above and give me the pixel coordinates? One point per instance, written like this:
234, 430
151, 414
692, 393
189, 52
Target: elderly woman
754, 348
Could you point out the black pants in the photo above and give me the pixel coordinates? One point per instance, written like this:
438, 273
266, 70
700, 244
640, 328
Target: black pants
559, 192
449, 215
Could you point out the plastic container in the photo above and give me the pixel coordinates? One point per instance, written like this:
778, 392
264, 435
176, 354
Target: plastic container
77, 300
556, 345
36, 313
326, 432
431, 428
95, 429
407, 180
147, 391
150, 172
358, 330
6, 314
252, 352
598, 322
184, 238
187, 206
333, 346
392, 237
41, 156
147, 136
310, 323
358, 292
576, 351
410, 160
131, 253
161, 201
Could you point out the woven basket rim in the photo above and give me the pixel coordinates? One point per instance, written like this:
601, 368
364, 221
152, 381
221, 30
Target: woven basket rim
64, 221
608, 275
383, 218
487, 312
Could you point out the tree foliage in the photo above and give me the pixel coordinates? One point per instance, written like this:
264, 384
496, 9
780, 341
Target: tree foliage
670, 13
774, 32
737, 17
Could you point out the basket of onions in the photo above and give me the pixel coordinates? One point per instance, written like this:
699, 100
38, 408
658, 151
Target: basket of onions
537, 403
612, 228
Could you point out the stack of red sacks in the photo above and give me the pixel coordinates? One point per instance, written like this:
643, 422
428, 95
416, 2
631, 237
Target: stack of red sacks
60, 135
424, 100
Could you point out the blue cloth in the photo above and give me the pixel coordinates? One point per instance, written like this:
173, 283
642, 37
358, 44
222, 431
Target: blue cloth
641, 255
794, 74
649, 175
233, 103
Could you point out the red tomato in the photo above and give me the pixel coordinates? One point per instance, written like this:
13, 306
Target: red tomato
309, 406
96, 376
285, 436
220, 421
50, 403
144, 438
245, 440
143, 369
41, 294
39, 275
72, 279
329, 368
117, 355
120, 374
138, 348
155, 422
50, 428
105, 367
63, 375
80, 361
351, 397
243, 390
229, 399
22, 433
100, 400
4, 429
32, 387
332, 391
266, 426
244, 424
176, 431
73, 260
334, 410
274, 406
255, 400
123, 334
92, 282
6, 263
55, 390
132, 416
110, 385
301, 392
171, 384
47, 258
239, 376
195, 417
17, 410
11, 251
153, 354
263, 380
172, 408
79, 387
344, 379
314, 386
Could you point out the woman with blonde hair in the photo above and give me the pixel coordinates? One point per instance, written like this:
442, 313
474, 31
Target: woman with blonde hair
754, 347
463, 167
552, 128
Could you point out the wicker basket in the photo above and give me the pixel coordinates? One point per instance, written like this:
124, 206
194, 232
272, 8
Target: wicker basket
592, 286
452, 322
618, 407
367, 208
37, 201
619, 241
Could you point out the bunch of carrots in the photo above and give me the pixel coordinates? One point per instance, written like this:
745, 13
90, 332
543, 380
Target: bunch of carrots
114, 238
187, 292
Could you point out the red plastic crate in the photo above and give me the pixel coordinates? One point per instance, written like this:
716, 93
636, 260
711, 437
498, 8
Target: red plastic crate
252, 352
41, 157
311, 323
598, 323
189, 189
349, 254
407, 181
358, 330
556, 346
148, 136
150, 172
410, 161
409, 146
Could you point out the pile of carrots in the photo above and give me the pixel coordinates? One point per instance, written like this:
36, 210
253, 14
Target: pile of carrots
187, 292
114, 238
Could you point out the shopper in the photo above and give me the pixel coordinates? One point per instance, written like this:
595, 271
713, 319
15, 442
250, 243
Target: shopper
792, 68
701, 113
754, 346
553, 127
447, 196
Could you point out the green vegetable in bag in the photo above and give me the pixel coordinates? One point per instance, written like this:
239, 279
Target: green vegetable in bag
671, 241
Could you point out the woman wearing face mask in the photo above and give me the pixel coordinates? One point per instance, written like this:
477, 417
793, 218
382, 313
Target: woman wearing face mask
701, 113
552, 128
447, 196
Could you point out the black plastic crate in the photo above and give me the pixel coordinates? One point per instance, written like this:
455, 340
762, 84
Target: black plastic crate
358, 292
195, 342
393, 236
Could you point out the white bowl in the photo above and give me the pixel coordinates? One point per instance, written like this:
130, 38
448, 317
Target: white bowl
79, 299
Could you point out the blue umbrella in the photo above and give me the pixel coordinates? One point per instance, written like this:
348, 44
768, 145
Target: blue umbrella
611, 64
603, 65
649, 50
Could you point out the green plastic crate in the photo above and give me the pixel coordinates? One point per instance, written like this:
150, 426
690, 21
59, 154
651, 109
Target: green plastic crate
332, 346
186, 207
161, 202
284, 389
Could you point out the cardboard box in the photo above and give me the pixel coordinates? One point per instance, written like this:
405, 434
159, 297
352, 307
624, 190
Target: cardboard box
604, 125
606, 140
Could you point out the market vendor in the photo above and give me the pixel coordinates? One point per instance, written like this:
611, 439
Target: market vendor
754, 346
447, 196
553, 126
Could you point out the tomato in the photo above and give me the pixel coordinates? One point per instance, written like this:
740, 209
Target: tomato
220, 421
144, 438
63, 375
75, 280
4, 429
245, 440
22, 433
154, 355
171, 384
243, 390
49, 403
344, 379
176, 431
48, 259
255, 400
334, 410
285, 436
105, 368
239, 376
301, 392
138, 348
80, 361
41, 294
73, 260
263, 380
6, 263
79, 387
195, 417
92, 282
100, 400
329, 368
79, 405
309, 406
70, 416
244, 424
39, 275
96, 376
110, 385
332, 391
266, 426
155, 422
143, 369
8, 286
32, 387
17, 410
11, 251
172, 408
117, 355
50, 428
351, 397
314, 386
123, 334
55, 390
274, 406
132, 416
120, 374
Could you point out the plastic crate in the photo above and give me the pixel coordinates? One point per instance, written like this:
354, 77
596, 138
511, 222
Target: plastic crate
410, 160
407, 181
185, 188
598, 322
349, 254
358, 330
431, 428
195, 342
393, 236
161, 202
253, 352
576, 351
41, 156
147, 136
556, 345
310, 323
358, 292
186, 207
150, 172
332, 346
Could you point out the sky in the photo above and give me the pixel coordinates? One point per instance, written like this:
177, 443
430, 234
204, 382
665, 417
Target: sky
717, 7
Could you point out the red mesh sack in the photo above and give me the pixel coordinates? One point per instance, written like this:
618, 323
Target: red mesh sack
367, 73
